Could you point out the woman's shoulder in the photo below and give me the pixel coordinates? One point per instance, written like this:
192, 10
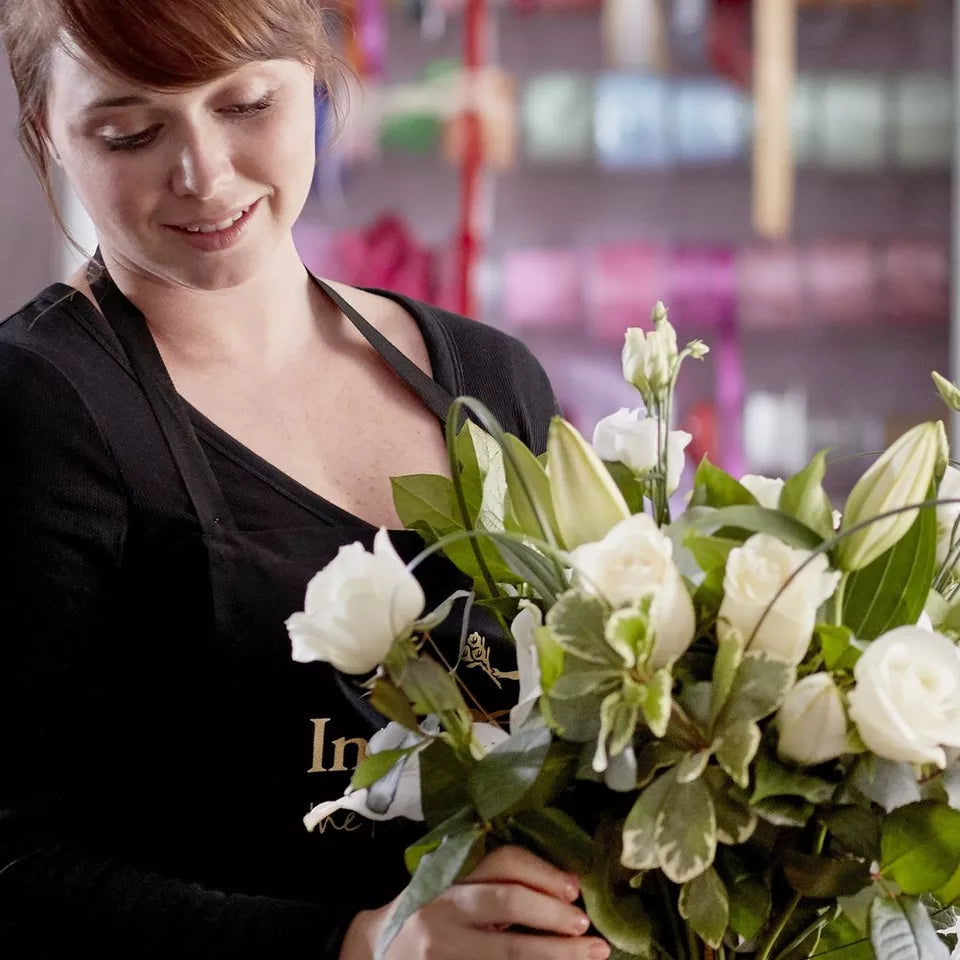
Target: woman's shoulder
495, 367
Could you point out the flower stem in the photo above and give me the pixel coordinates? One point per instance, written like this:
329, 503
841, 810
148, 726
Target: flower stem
781, 924
669, 907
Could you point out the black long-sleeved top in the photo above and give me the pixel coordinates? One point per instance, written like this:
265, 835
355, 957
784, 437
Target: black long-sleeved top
153, 772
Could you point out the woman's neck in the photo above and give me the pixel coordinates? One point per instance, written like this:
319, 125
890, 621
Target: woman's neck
270, 316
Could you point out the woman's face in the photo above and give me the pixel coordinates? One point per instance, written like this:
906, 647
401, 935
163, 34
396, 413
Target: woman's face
196, 187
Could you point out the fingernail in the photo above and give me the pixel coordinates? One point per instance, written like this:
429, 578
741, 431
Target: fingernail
581, 923
571, 889
599, 950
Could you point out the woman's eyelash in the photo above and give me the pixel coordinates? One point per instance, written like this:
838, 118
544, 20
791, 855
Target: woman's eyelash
243, 109
136, 141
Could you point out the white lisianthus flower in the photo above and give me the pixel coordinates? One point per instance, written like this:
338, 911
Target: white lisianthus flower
767, 490
632, 561
755, 573
650, 357
947, 514
906, 703
811, 722
630, 437
523, 628
356, 607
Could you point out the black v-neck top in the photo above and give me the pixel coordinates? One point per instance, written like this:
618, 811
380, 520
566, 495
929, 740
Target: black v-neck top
154, 767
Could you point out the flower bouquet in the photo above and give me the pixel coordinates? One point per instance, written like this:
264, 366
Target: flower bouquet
736, 725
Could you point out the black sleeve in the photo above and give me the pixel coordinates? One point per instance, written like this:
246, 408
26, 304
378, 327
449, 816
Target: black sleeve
63, 520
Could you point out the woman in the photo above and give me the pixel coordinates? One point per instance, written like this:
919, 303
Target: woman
192, 426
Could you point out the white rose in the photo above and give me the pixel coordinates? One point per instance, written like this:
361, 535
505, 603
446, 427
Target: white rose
630, 437
755, 573
811, 722
906, 703
355, 608
633, 560
767, 490
947, 514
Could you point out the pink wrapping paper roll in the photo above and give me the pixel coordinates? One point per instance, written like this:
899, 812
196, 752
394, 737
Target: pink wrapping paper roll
916, 281
701, 285
623, 282
840, 282
541, 288
770, 292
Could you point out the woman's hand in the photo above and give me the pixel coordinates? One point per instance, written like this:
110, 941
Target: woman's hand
471, 920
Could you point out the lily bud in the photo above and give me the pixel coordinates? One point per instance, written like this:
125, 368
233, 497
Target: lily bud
586, 501
812, 722
650, 358
902, 475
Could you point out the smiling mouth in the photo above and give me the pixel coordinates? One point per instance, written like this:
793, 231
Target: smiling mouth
216, 227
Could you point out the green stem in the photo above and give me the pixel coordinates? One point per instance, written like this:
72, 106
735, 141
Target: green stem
817, 924
837, 601
669, 908
454, 465
781, 924
692, 947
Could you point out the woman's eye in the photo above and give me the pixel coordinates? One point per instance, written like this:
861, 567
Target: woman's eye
133, 141
245, 109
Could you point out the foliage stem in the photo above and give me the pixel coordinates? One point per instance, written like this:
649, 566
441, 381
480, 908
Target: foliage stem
781, 924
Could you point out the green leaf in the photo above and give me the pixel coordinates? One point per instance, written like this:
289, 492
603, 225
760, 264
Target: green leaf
629, 633
393, 704
577, 720
527, 481
550, 657
817, 877
430, 687
856, 829
640, 827
482, 475
703, 904
803, 497
692, 766
426, 498
377, 765
615, 909
582, 677
784, 811
750, 518
577, 623
443, 782
686, 831
840, 649
758, 688
557, 837
773, 779
618, 721
531, 566
841, 940
630, 485
736, 747
457, 823
654, 757
901, 929
435, 873
710, 552
735, 820
713, 487
749, 906
892, 590
500, 779
920, 846
729, 657
656, 702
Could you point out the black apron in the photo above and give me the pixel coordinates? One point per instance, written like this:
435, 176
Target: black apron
295, 730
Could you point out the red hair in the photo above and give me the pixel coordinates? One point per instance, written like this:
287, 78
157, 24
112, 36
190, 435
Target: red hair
159, 44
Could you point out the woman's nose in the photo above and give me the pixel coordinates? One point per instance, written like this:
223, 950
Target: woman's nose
203, 167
